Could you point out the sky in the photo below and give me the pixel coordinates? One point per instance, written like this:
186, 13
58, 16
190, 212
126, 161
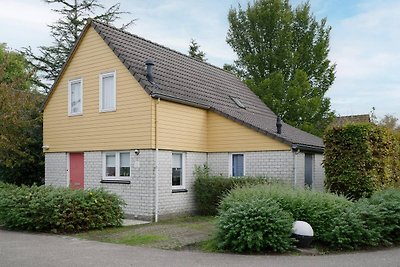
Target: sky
364, 45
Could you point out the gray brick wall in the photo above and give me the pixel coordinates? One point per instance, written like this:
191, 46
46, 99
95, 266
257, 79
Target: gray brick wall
273, 164
218, 163
319, 172
182, 202
56, 169
300, 168
139, 194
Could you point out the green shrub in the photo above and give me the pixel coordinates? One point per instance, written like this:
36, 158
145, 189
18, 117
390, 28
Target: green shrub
254, 225
46, 208
387, 202
361, 159
316, 208
209, 190
336, 221
358, 226
368, 222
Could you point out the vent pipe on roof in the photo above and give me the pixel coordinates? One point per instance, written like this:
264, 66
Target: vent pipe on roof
278, 125
149, 70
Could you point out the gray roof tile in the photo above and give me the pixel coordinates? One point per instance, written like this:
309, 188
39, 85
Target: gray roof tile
183, 79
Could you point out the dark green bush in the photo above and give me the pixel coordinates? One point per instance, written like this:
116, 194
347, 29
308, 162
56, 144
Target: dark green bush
336, 221
254, 225
360, 225
316, 208
46, 208
368, 222
209, 191
361, 159
387, 203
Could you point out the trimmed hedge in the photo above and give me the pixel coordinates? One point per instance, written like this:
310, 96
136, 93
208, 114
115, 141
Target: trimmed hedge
209, 191
46, 208
337, 222
254, 225
361, 159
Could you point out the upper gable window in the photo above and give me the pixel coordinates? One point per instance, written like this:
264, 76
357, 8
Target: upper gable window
75, 88
107, 92
238, 102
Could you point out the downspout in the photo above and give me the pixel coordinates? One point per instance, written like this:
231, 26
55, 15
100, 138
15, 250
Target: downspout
156, 208
295, 152
295, 168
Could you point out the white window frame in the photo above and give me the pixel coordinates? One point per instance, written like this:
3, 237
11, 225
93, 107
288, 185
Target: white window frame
69, 97
101, 76
231, 164
183, 185
117, 166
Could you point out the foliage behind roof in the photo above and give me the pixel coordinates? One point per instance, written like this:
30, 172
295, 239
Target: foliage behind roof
182, 79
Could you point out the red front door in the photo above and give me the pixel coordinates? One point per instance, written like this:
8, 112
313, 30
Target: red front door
76, 170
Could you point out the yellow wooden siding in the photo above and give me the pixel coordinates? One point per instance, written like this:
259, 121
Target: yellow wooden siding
129, 127
225, 135
181, 127
186, 128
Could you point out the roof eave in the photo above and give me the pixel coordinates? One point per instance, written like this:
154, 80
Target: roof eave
178, 100
308, 148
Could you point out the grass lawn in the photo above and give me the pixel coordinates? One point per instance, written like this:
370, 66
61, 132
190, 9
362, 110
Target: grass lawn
189, 232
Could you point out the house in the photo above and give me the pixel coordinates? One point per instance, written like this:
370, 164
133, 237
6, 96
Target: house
136, 118
342, 120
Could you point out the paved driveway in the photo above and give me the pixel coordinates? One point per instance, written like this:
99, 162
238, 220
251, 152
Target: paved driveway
25, 249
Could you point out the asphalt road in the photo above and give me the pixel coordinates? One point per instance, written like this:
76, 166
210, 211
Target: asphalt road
26, 249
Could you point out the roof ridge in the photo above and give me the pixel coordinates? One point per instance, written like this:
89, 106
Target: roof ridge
160, 45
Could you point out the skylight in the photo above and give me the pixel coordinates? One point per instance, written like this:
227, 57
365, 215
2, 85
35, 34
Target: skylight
238, 102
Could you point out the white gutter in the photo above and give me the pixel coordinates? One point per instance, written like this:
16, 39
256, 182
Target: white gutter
295, 152
295, 168
156, 208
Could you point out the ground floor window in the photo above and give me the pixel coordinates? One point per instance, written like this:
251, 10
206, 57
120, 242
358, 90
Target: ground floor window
237, 165
117, 165
178, 170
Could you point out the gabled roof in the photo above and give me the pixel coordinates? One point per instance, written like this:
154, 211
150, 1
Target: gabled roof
180, 78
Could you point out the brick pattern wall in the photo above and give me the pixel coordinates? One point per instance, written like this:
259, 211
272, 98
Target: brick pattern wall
300, 169
218, 163
318, 172
181, 202
56, 169
272, 164
139, 194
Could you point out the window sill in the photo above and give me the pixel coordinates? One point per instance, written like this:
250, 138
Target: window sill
75, 114
115, 181
107, 110
179, 190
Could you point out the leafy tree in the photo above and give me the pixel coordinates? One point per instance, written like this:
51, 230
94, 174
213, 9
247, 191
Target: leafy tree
195, 52
21, 157
74, 15
283, 57
391, 122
